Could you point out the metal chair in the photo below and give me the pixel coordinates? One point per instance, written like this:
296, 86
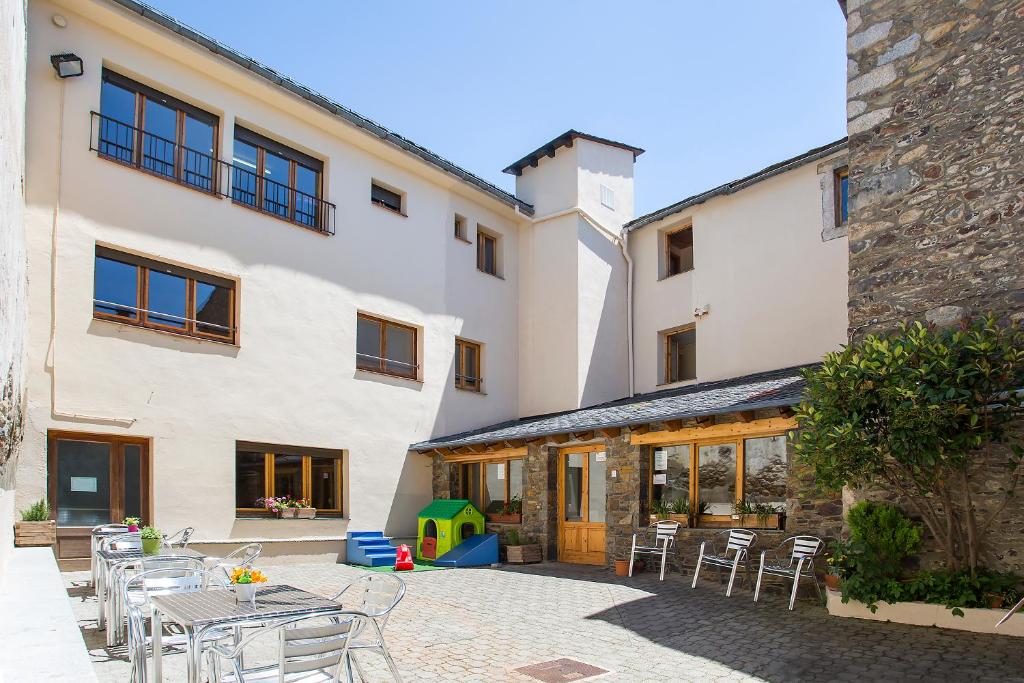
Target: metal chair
739, 543
180, 538
800, 562
377, 595
242, 557
310, 648
94, 544
128, 541
664, 541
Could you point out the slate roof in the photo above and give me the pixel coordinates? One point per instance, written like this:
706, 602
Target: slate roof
564, 140
774, 389
736, 185
280, 80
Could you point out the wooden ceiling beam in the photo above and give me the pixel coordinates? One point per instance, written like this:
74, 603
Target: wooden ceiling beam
746, 415
674, 425
786, 411
610, 432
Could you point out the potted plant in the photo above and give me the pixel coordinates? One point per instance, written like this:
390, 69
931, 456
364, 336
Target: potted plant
276, 506
133, 524
659, 510
836, 563
519, 551
699, 512
304, 510
679, 511
244, 581
151, 540
511, 512
756, 516
35, 528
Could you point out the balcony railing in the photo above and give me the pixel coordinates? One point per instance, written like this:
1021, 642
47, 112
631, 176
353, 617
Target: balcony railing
126, 144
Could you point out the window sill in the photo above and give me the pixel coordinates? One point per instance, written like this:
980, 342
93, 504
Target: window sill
463, 239
394, 212
494, 275
478, 392
167, 332
679, 383
326, 517
669, 277
380, 373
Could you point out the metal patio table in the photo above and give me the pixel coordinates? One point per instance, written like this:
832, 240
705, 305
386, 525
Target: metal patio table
108, 562
94, 542
199, 612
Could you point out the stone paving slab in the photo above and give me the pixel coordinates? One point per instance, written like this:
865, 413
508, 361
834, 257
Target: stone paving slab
482, 624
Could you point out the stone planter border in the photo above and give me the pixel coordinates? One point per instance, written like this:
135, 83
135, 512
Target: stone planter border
976, 620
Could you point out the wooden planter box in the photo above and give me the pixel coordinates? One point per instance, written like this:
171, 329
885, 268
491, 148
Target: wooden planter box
499, 518
754, 522
30, 534
524, 554
684, 520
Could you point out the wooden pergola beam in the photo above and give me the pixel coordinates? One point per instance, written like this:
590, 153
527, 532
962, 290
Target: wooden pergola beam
610, 432
745, 415
639, 429
558, 438
583, 436
674, 425
787, 411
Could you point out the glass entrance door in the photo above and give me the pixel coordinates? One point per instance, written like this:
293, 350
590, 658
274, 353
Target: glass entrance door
582, 487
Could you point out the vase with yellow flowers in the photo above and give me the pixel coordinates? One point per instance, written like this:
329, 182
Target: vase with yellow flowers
244, 581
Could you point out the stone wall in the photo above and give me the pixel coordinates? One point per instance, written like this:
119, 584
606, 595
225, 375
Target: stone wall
13, 304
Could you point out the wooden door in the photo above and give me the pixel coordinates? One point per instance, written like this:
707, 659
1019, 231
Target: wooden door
582, 502
94, 479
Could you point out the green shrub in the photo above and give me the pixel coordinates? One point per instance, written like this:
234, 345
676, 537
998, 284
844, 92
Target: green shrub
37, 512
150, 533
884, 536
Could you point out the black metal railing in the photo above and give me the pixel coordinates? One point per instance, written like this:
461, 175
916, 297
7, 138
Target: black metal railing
126, 144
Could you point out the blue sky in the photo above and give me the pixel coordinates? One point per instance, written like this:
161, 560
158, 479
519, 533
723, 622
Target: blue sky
712, 90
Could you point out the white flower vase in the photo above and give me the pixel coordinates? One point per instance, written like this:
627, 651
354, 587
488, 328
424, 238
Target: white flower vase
245, 592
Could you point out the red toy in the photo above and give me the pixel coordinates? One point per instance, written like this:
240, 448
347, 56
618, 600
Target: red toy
403, 559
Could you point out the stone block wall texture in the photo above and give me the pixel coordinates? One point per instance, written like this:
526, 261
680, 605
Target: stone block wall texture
13, 304
935, 99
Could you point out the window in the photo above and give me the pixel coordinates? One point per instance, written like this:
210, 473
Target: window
460, 228
842, 193
680, 363
679, 252
491, 485
140, 291
487, 252
468, 374
384, 346
311, 474
720, 473
276, 179
389, 199
607, 197
157, 133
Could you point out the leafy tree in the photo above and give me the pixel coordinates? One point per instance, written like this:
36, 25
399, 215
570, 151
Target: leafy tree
917, 414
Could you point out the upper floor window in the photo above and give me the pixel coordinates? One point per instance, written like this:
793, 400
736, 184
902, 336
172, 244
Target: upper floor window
144, 292
145, 128
842, 193
678, 251
460, 228
467, 365
488, 255
277, 179
385, 346
680, 349
387, 198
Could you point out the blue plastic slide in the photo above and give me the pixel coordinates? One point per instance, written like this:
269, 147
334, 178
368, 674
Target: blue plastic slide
476, 551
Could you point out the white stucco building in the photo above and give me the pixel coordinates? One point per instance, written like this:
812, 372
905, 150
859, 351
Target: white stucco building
239, 289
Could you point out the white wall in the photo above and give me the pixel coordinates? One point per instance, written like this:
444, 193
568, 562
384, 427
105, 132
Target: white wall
13, 311
776, 291
292, 378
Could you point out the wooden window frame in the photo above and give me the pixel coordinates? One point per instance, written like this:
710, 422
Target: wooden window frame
667, 352
307, 478
461, 345
142, 93
837, 192
666, 245
382, 346
464, 468
376, 184
295, 159
481, 261
460, 223
143, 267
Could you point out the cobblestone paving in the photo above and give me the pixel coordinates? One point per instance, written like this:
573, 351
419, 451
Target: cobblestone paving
481, 624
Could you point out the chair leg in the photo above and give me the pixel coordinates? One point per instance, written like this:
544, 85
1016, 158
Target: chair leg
632, 552
760, 574
817, 588
387, 655
732, 575
796, 583
664, 554
696, 570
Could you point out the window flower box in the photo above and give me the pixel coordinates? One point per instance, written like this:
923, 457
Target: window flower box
305, 513
505, 518
34, 534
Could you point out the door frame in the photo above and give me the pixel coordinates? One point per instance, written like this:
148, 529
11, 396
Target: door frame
563, 453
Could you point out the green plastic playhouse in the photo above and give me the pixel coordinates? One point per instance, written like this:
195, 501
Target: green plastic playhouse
445, 524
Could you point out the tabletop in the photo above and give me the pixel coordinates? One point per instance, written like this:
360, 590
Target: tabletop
136, 553
203, 608
112, 532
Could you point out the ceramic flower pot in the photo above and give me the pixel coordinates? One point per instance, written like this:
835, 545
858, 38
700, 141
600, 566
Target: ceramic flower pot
151, 546
245, 592
305, 513
832, 581
133, 528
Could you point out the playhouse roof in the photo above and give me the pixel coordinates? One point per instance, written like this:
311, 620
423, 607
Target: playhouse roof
444, 509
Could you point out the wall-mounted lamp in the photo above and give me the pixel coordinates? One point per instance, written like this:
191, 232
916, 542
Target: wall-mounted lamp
67, 65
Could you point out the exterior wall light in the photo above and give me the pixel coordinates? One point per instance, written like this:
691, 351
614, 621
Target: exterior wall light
67, 65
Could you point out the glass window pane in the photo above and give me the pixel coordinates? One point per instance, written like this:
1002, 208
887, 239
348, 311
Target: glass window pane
676, 462
844, 195
133, 480
368, 349
598, 486
166, 304
197, 153
682, 355
680, 251
401, 351
494, 481
515, 479
307, 182
213, 309
574, 487
117, 137
116, 284
288, 476
386, 198
83, 483
276, 193
471, 484
158, 142
244, 173
324, 483
716, 477
249, 478
764, 477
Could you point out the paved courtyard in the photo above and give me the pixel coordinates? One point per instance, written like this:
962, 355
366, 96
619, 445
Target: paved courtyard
483, 624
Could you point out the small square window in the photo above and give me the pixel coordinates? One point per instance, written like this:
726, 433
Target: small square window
679, 251
460, 228
384, 197
680, 349
842, 195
